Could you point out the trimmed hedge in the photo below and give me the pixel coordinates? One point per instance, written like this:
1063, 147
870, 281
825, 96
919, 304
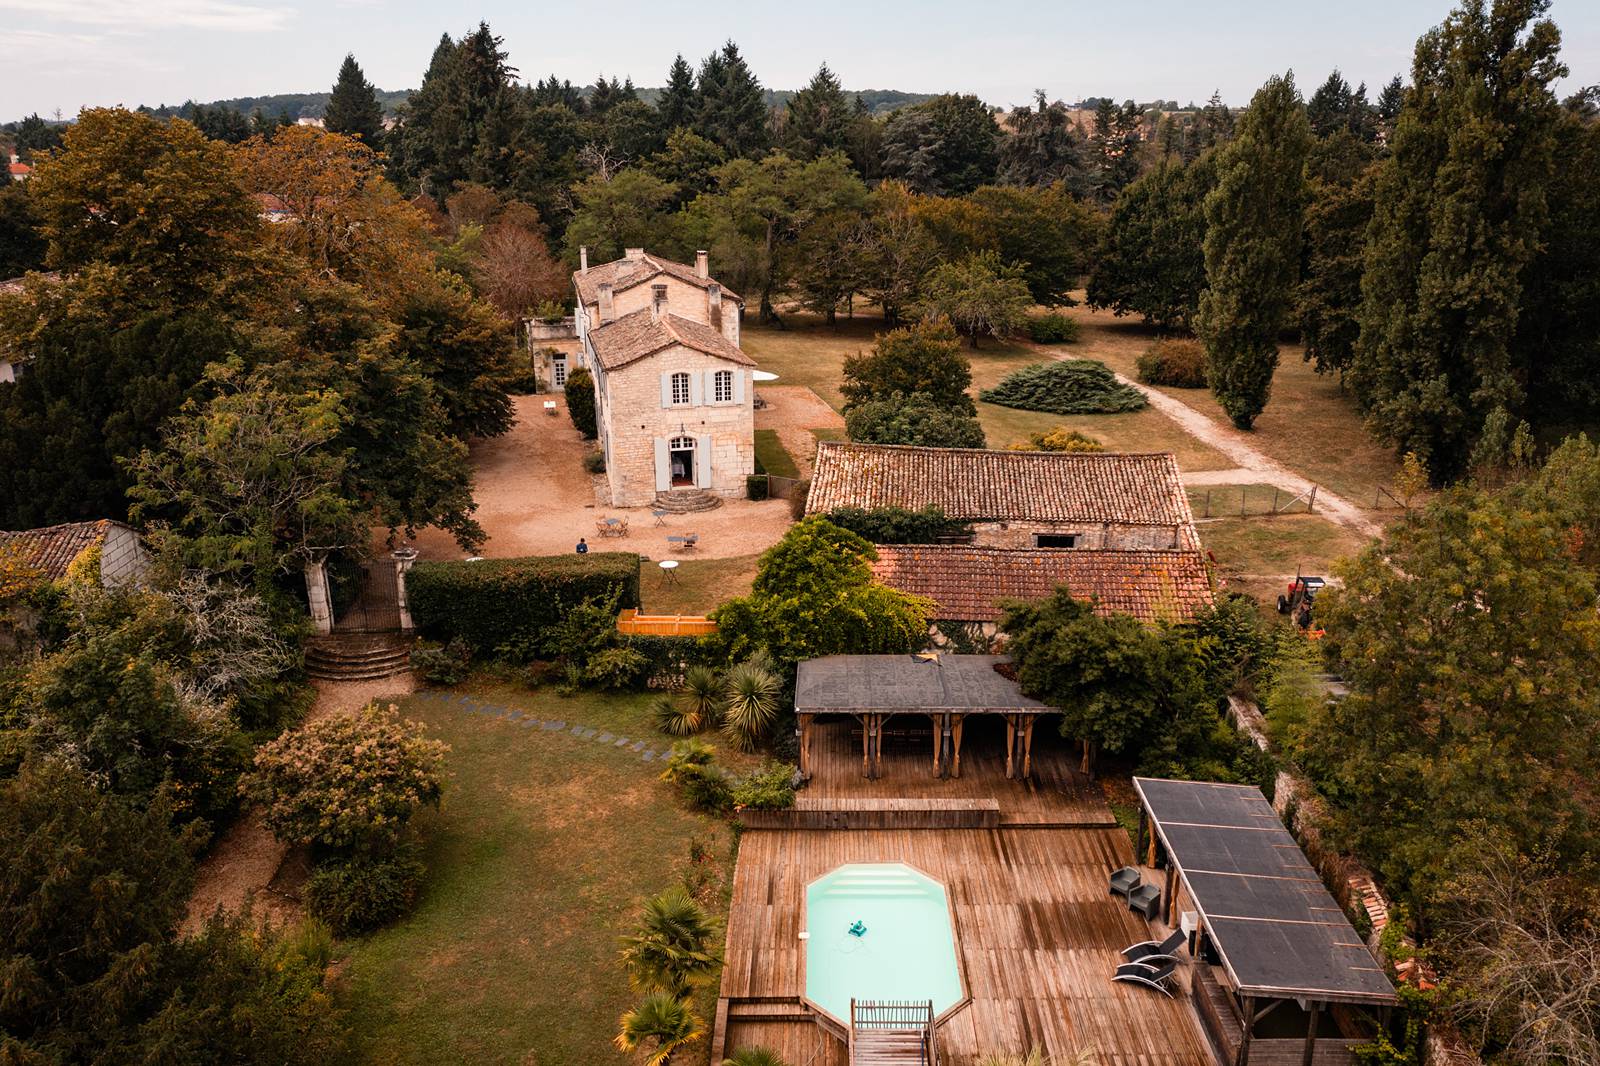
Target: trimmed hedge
502, 607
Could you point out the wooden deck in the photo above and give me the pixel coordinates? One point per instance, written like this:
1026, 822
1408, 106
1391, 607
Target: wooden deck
1037, 935
1056, 795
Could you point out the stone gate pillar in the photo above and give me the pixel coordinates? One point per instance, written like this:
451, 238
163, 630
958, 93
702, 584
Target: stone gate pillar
403, 558
317, 597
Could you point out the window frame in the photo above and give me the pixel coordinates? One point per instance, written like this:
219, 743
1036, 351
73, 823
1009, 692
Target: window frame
674, 379
720, 378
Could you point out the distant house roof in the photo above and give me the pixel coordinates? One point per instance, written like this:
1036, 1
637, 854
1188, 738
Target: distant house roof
968, 583
973, 484
52, 549
886, 683
627, 272
635, 336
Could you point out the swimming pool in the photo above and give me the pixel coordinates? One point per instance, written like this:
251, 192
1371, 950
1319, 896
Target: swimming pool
906, 948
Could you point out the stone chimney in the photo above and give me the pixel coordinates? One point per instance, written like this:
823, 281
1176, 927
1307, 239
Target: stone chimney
583, 259
633, 254
658, 302
702, 264
714, 305
605, 304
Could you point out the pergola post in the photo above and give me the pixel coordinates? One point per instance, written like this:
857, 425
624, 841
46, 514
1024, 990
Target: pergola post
1027, 747
1011, 744
956, 734
866, 746
1244, 1038
1311, 1035
936, 720
804, 722
1171, 889
1138, 844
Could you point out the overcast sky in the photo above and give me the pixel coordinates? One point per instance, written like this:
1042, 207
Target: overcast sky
66, 54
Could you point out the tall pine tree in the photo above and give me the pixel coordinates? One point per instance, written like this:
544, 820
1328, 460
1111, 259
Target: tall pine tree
677, 102
732, 107
1252, 248
1459, 212
353, 107
819, 118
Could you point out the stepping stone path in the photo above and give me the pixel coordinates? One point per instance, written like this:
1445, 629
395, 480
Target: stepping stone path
528, 721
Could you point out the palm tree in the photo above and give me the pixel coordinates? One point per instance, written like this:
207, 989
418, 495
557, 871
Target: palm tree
671, 949
755, 1056
661, 1022
751, 705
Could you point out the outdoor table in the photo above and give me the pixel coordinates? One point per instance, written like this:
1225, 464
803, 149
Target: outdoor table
669, 571
661, 517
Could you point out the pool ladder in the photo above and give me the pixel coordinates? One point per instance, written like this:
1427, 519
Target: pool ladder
893, 1032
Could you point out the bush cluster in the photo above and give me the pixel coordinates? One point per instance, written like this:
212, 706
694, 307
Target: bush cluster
1068, 387
1053, 328
595, 462
896, 525
918, 419
521, 379
580, 403
506, 607
1060, 439
1177, 362
446, 664
692, 768
361, 892
666, 658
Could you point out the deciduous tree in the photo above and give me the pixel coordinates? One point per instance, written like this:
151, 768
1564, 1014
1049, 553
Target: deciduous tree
923, 359
979, 295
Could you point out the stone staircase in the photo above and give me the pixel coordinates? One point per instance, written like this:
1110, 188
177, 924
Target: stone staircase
687, 501
358, 656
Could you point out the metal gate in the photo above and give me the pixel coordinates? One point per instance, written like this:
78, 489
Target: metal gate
377, 606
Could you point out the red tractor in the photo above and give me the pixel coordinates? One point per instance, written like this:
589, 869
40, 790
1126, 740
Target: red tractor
1300, 597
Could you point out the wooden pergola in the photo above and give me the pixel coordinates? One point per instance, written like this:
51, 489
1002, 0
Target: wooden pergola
947, 689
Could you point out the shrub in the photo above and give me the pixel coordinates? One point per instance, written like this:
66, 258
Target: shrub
357, 893
508, 607
1060, 439
755, 486
616, 668
446, 664
1053, 328
347, 782
924, 358
580, 403
770, 788
797, 499
667, 659
699, 781
696, 707
896, 525
521, 378
755, 1056
750, 704
1067, 387
916, 419
1177, 362
595, 462
675, 718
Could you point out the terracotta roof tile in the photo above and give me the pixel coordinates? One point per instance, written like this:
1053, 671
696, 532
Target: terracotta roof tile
626, 273
968, 582
635, 336
52, 549
1004, 486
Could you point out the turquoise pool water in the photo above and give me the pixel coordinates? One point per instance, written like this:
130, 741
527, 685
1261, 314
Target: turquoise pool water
907, 951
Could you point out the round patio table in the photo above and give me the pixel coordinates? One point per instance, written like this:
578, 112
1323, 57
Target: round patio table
669, 571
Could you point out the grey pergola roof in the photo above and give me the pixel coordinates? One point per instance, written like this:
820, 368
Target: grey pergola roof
1280, 933
890, 684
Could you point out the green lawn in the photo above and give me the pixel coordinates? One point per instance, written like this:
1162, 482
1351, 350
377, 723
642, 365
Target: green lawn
772, 456
810, 353
700, 585
544, 848
1255, 554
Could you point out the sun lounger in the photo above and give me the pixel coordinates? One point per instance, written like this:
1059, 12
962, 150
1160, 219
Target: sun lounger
1150, 952
1155, 977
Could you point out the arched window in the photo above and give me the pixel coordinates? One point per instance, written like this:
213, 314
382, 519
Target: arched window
680, 388
722, 388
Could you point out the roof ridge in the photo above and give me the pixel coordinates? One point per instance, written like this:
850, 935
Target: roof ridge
1017, 452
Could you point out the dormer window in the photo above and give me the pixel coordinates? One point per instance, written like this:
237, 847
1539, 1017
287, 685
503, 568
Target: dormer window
680, 389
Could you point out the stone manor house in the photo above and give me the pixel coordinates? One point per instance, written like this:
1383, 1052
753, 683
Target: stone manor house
674, 401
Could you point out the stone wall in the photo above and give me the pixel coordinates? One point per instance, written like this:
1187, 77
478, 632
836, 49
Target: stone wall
1090, 534
635, 420
122, 557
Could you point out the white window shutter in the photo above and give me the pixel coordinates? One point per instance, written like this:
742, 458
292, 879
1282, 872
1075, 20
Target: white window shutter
666, 390
710, 386
663, 466
695, 392
738, 385
702, 462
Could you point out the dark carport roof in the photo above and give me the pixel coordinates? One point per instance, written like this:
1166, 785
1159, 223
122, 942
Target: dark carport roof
1280, 933
885, 684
